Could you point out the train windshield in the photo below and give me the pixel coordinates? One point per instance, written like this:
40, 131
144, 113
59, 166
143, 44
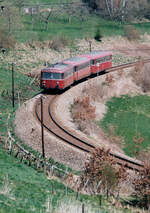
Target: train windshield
50, 75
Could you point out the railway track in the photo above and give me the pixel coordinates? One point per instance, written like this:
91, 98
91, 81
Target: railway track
53, 125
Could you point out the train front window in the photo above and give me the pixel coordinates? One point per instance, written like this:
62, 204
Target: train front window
45, 75
50, 75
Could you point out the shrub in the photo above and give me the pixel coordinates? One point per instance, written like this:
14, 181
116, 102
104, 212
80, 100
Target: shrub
141, 185
83, 110
98, 35
131, 33
59, 42
6, 41
141, 76
101, 173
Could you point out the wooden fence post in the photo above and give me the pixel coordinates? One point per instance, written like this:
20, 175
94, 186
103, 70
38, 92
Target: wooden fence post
82, 207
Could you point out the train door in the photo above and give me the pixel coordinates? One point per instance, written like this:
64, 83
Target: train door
75, 73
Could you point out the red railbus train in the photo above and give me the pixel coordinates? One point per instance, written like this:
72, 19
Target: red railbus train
99, 60
57, 76
81, 67
63, 74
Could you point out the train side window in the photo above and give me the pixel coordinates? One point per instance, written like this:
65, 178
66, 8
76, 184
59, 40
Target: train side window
62, 76
99, 60
92, 62
75, 68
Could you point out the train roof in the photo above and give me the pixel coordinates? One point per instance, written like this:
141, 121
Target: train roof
58, 67
76, 60
97, 54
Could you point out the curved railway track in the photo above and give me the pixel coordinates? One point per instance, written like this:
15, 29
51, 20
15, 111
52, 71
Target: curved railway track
52, 125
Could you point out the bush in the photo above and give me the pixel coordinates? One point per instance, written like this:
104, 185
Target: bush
83, 109
6, 41
59, 42
141, 184
131, 33
141, 76
98, 35
101, 174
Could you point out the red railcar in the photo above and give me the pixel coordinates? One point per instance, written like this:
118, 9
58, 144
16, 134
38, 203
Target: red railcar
64, 74
81, 67
99, 60
57, 76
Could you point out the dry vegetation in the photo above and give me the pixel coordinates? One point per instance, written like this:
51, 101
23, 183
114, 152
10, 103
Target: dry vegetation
131, 33
141, 76
30, 57
101, 175
83, 110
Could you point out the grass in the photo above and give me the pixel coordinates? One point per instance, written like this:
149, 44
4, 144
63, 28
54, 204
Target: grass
47, 1
60, 25
130, 117
73, 30
23, 189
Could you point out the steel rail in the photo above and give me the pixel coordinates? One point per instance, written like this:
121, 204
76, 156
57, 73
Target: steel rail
58, 136
126, 160
128, 163
122, 66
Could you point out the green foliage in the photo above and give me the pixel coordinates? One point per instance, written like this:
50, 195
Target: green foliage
59, 42
98, 34
130, 118
6, 41
22, 189
131, 33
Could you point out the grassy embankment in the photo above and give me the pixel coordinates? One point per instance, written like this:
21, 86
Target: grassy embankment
59, 26
130, 119
23, 189
34, 29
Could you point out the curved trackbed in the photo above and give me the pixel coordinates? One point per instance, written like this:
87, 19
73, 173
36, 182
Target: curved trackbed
52, 124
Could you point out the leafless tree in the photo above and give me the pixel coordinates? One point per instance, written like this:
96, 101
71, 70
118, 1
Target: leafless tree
45, 15
101, 174
77, 10
141, 185
10, 19
19, 4
121, 10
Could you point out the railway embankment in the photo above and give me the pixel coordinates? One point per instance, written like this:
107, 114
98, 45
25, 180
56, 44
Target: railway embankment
29, 130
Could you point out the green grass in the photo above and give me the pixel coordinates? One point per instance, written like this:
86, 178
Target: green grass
130, 116
47, 1
26, 190
60, 25
75, 29
23, 189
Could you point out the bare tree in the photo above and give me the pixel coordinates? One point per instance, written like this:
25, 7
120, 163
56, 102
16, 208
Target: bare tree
101, 174
121, 10
10, 19
77, 10
141, 185
46, 15
19, 4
